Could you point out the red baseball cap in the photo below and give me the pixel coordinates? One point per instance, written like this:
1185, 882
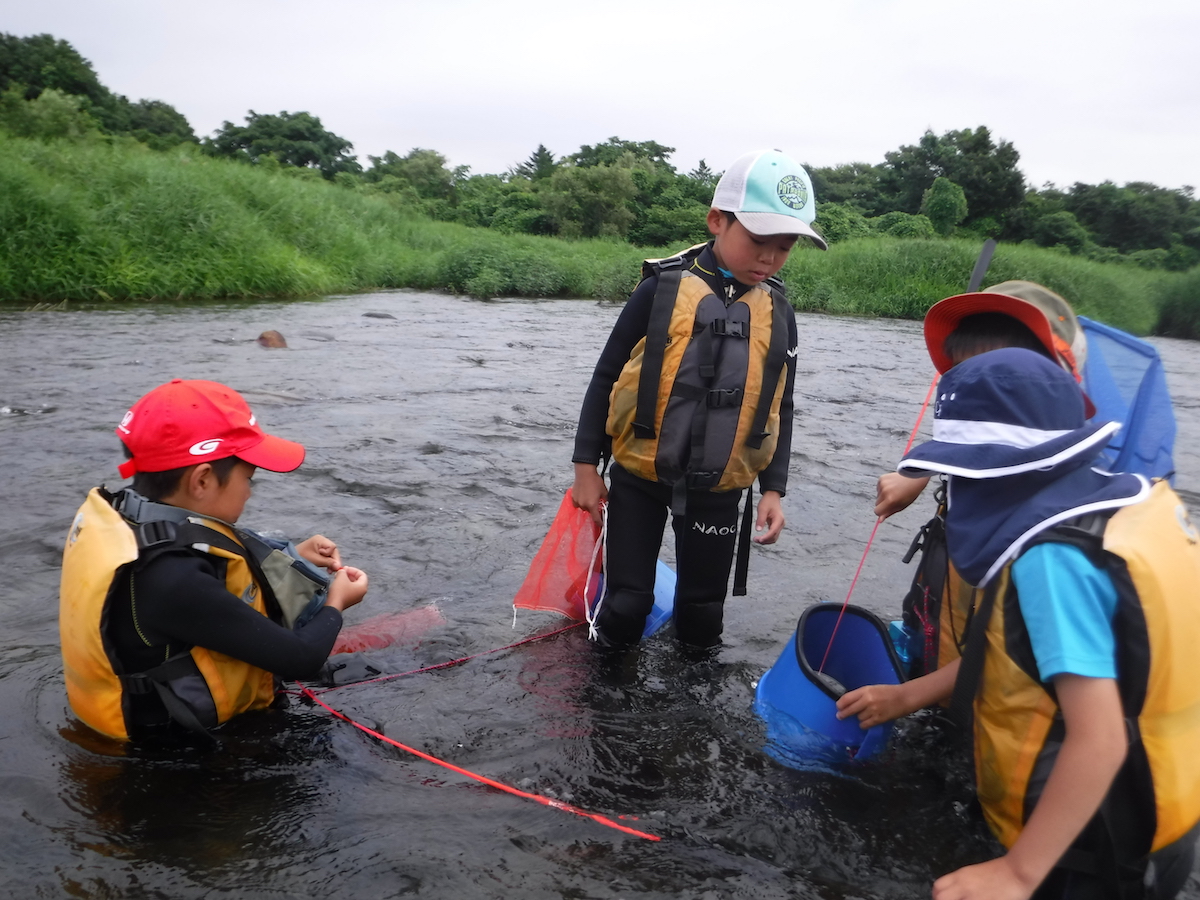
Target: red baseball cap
188, 422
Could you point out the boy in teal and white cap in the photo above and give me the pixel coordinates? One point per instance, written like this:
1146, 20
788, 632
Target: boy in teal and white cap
692, 400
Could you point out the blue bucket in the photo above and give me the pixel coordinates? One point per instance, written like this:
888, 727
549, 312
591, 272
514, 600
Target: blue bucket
799, 704
664, 598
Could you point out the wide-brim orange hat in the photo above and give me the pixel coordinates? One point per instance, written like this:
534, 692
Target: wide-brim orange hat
1039, 309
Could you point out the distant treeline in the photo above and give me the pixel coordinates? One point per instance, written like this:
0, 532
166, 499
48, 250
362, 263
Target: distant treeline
962, 182
105, 198
103, 220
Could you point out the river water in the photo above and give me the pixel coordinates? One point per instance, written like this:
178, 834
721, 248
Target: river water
439, 433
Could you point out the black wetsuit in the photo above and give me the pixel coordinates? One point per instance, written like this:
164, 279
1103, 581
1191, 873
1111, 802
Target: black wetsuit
181, 602
706, 537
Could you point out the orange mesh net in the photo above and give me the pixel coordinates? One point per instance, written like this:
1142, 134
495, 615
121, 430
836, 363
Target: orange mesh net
565, 572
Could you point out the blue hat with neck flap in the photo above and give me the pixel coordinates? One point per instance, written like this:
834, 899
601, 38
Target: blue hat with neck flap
1010, 431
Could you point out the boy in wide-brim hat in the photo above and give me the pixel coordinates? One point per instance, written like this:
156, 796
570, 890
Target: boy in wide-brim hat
1081, 664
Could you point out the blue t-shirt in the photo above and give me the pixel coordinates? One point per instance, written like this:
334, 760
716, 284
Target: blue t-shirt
1068, 605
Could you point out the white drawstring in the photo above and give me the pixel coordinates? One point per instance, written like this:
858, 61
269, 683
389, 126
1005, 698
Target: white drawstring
602, 548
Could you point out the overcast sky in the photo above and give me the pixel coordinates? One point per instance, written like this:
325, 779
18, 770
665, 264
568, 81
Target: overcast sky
1086, 91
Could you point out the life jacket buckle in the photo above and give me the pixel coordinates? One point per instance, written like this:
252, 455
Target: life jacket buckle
703, 480
138, 683
718, 398
155, 533
729, 328
644, 432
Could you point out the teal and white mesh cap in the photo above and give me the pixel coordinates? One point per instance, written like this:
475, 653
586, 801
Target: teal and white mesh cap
770, 193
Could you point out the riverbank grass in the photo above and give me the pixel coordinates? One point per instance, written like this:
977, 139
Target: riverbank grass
101, 219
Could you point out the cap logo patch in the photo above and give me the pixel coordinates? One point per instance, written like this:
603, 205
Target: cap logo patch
203, 448
253, 420
792, 192
125, 420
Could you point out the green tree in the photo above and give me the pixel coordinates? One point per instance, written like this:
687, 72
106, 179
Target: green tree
840, 222
1138, 216
159, 124
540, 165
52, 114
610, 152
293, 139
902, 225
944, 204
854, 183
591, 201
986, 171
1060, 229
705, 176
425, 170
41, 62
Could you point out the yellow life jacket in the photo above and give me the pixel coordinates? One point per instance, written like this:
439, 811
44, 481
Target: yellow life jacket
101, 549
699, 398
1152, 552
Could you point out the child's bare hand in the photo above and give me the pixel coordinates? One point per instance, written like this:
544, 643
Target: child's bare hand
894, 492
873, 704
348, 587
589, 490
770, 517
995, 879
320, 551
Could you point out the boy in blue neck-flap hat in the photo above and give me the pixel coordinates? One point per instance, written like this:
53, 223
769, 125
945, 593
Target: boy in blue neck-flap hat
1081, 666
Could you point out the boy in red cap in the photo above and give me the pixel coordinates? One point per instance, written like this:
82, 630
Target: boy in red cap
170, 616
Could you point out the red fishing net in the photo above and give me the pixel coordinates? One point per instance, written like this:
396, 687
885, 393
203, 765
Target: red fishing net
566, 569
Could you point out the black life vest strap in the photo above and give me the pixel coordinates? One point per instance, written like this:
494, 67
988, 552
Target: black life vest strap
160, 536
670, 273
970, 672
158, 680
772, 366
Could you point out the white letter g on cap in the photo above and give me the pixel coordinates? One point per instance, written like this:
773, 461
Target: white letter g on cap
203, 448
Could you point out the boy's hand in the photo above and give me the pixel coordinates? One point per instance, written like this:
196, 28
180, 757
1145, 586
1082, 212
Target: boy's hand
995, 879
348, 587
894, 492
320, 551
589, 491
874, 704
770, 517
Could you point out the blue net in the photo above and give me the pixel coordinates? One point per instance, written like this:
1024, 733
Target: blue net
1124, 377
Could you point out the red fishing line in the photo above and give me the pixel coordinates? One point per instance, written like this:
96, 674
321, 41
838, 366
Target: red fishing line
482, 779
867, 549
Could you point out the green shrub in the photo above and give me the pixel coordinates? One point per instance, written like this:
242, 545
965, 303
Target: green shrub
903, 278
1179, 312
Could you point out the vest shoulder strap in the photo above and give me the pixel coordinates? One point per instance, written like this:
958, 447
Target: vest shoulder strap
657, 332
777, 353
158, 537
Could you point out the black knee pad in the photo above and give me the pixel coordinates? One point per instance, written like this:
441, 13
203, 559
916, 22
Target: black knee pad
700, 624
622, 617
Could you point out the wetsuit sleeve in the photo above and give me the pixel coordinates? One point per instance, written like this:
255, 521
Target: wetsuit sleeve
591, 439
181, 599
1068, 605
775, 476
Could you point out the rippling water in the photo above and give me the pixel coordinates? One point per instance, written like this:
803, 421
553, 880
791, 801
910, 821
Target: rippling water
439, 432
